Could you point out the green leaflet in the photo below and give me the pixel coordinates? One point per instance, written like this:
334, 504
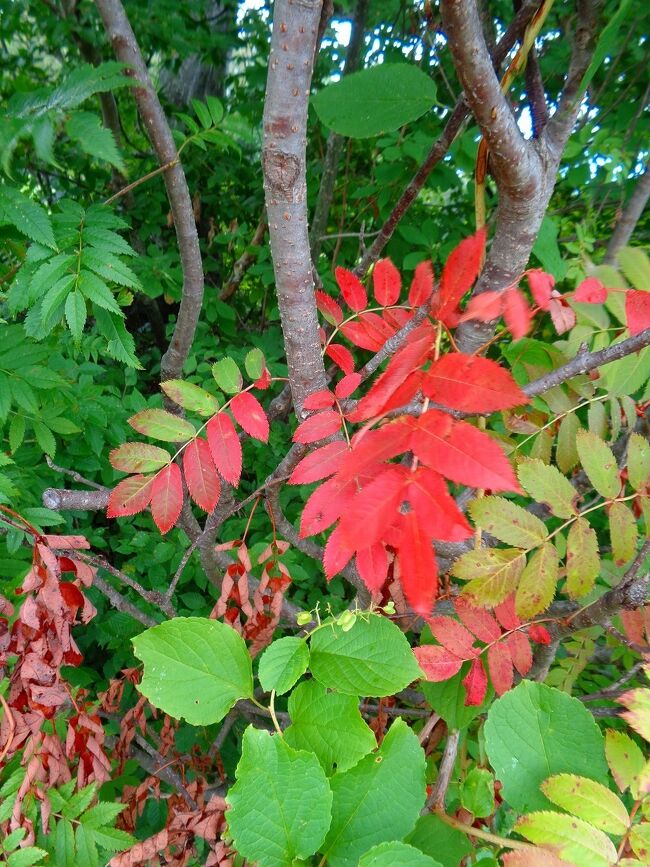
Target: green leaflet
282, 663
492, 573
582, 559
546, 484
537, 583
396, 855
508, 522
599, 464
227, 375
623, 532
638, 460
574, 840
588, 800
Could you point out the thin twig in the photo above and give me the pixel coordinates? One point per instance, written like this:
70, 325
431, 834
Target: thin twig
73, 474
436, 799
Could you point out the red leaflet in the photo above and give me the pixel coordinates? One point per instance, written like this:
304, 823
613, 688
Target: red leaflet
475, 683
563, 316
319, 400
516, 312
461, 452
436, 508
317, 427
541, 285
131, 496
376, 326
539, 634
201, 474
225, 447
167, 497
453, 635
341, 356
320, 464
373, 510
637, 311
375, 446
337, 554
472, 383
330, 308
386, 283
346, 386
506, 614
351, 289
484, 307
264, 381
249, 413
421, 285
591, 291
396, 317
437, 663
479, 621
460, 271
500, 666
372, 566
520, 652
417, 565
359, 334
325, 506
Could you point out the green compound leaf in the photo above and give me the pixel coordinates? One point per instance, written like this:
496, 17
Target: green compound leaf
599, 464
582, 559
508, 522
227, 375
162, 425
571, 838
377, 800
75, 314
138, 458
28, 217
535, 731
281, 803
396, 855
282, 663
328, 724
376, 100
638, 461
546, 484
191, 397
588, 800
194, 668
538, 581
435, 838
566, 454
372, 658
492, 574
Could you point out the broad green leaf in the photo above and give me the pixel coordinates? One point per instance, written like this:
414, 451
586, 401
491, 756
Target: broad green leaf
634, 263
547, 250
508, 522
86, 847
227, 375
280, 806
535, 731
26, 857
638, 461
282, 663
477, 792
637, 702
640, 841
543, 446
566, 453
202, 113
194, 668
599, 464
624, 757
588, 800
546, 484
396, 855
328, 724
64, 845
627, 375
623, 532
255, 363
571, 838
492, 573
94, 138
75, 314
537, 583
28, 217
377, 800
582, 559
379, 99
435, 838
372, 658
162, 425
190, 396
448, 699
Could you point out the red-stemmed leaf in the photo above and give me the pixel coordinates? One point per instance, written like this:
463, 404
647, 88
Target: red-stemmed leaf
539, 634
590, 291
506, 614
437, 511
396, 317
454, 636
373, 510
386, 283
516, 312
130, 496
348, 385
317, 427
341, 356
352, 289
637, 310
418, 569
421, 285
372, 566
460, 271
437, 663
472, 383
500, 666
323, 399
461, 452
337, 554
475, 683
319, 464
478, 620
138, 458
541, 286
325, 506
249, 414
225, 447
330, 308
520, 651
201, 475
167, 497
264, 381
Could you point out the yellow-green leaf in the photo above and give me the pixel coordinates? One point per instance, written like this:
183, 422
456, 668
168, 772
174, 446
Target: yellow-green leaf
624, 757
138, 458
638, 461
542, 446
640, 841
582, 559
637, 702
573, 839
492, 573
508, 522
588, 800
547, 485
227, 375
597, 419
623, 532
162, 425
190, 396
537, 583
599, 464
566, 453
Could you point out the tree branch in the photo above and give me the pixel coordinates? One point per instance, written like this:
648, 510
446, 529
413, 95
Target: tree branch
295, 32
630, 216
244, 262
127, 50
